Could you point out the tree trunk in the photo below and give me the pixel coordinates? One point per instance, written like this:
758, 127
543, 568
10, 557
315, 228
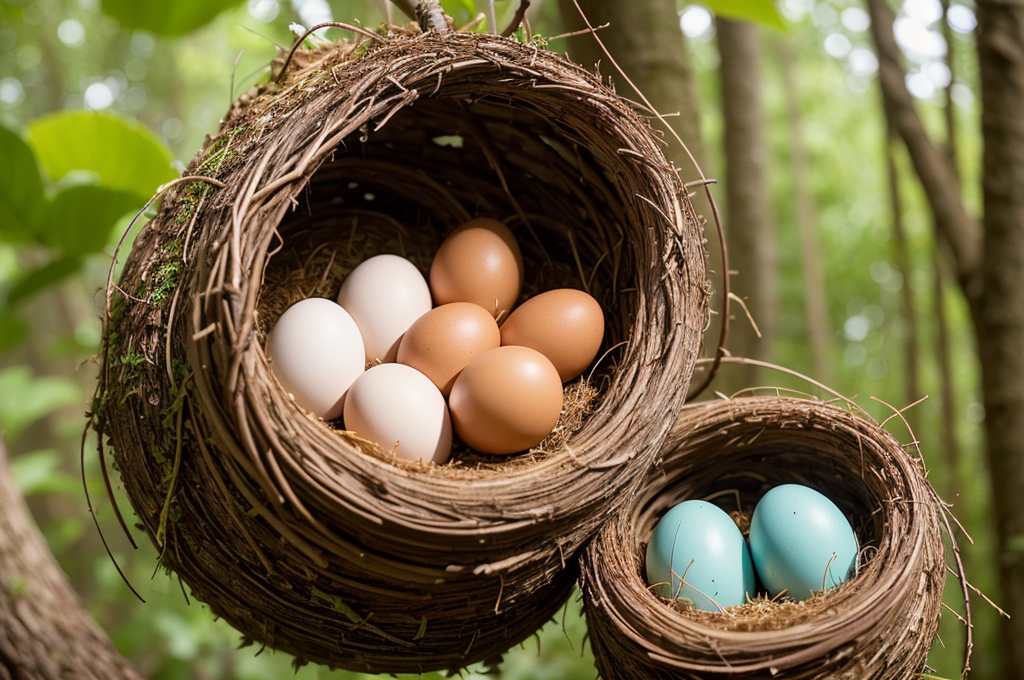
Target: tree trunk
44, 633
1000, 320
941, 186
815, 289
911, 382
645, 39
749, 229
647, 42
947, 392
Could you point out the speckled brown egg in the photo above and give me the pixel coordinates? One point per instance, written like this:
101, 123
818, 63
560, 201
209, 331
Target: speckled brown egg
565, 325
480, 262
446, 339
506, 400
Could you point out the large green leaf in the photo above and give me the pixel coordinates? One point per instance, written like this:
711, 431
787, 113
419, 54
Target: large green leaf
25, 398
21, 187
124, 154
79, 218
170, 19
757, 11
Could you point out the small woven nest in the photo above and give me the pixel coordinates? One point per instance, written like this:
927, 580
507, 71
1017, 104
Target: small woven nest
307, 538
880, 624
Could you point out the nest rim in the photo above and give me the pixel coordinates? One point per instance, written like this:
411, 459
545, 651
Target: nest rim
637, 634
527, 548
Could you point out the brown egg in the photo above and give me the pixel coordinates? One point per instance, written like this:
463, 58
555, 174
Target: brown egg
565, 325
507, 400
446, 339
479, 262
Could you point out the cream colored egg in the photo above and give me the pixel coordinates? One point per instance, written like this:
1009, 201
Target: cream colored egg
402, 410
385, 295
316, 352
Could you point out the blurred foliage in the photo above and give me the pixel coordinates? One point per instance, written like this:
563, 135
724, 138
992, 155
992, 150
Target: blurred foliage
98, 96
757, 11
169, 19
122, 154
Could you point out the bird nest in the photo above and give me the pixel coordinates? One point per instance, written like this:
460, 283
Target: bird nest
879, 624
303, 536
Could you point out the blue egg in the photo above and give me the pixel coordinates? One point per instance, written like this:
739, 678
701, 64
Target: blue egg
699, 540
801, 542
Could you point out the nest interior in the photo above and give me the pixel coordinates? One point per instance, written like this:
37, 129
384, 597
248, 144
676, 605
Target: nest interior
307, 538
879, 624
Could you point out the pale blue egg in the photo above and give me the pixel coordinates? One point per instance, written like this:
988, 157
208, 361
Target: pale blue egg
700, 541
801, 542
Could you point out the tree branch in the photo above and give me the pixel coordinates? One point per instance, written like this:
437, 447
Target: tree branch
406, 7
938, 178
44, 633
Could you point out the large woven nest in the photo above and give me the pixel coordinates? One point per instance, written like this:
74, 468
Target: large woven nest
307, 538
879, 625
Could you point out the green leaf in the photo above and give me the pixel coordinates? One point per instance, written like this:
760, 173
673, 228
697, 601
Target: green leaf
25, 398
36, 280
460, 10
37, 472
80, 218
13, 331
757, 11
169, 19
21, 187
124, 154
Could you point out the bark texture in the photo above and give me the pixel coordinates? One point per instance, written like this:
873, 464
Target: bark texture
749, 229
1000, 319
901, 254
646, 41
44, 633
819, 333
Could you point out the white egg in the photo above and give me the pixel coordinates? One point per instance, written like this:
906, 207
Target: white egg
316, 353
402, 410
384, 295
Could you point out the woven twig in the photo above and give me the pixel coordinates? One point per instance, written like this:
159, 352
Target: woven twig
879, 625
307, 538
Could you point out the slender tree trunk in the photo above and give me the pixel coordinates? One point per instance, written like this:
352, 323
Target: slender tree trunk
1000, 320
44, 633
819, 332
947, 392
750, 232
949, 110
911, 381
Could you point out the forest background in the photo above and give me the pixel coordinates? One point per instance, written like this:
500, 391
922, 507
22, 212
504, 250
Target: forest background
832, 239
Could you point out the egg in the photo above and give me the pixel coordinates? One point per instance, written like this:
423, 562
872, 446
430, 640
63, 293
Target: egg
565, 325
316, 352
400, 409
446, 339
801, 542
480, 262
385, 295
508, 399
697, 553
